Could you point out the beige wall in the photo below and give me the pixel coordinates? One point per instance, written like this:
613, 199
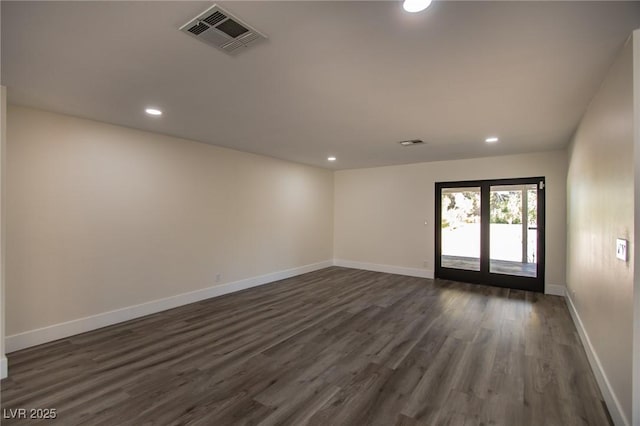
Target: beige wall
380, 213
102, 217
600, 197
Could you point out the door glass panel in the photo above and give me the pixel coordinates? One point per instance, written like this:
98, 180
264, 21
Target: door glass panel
513, 230
460, 228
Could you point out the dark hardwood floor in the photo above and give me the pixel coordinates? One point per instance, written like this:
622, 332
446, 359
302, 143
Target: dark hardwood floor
333, 347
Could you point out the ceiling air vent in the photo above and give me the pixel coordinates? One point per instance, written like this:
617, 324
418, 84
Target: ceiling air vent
411, 142
221, 29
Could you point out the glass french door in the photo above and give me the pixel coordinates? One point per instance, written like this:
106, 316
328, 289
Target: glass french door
491, 232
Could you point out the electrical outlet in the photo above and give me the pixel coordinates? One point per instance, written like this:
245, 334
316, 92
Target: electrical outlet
621, 249
425, 263
218, 277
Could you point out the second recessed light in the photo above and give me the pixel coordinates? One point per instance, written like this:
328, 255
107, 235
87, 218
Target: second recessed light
153, 111
491, 139
414, 6
332, 158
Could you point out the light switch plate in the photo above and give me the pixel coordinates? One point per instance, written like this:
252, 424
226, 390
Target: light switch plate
621, 249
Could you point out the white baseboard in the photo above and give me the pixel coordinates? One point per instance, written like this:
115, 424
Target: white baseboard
552, 289
613, 404
59, 331
4, 367
390, 269
555, 289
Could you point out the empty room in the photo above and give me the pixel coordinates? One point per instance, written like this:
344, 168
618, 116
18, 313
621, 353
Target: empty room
405, 212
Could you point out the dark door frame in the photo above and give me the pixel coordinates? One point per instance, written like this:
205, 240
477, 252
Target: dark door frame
484, 276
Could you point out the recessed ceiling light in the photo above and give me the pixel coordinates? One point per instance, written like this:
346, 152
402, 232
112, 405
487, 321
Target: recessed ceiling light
332, 158
491, 139
414, 6
153, 111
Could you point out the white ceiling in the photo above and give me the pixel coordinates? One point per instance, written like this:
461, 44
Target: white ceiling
343, 78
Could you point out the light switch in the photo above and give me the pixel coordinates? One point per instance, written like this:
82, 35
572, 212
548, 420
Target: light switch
621, 249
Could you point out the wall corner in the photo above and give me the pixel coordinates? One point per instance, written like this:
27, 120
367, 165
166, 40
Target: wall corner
635, 394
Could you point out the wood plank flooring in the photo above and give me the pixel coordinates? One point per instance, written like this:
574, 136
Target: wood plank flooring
333, 347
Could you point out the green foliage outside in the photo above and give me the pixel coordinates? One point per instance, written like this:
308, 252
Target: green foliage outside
459, 208
505, 207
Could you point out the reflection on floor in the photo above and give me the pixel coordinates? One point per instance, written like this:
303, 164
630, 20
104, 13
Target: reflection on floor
496, 266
